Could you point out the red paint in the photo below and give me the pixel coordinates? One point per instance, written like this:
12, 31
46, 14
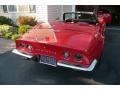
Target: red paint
107, 17
54, 38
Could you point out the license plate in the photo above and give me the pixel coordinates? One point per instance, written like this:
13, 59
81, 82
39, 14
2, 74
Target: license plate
49, 60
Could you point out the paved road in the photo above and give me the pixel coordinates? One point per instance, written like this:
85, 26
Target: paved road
6, 45
15, 70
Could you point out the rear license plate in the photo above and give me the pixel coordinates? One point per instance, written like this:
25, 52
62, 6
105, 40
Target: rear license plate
49, 60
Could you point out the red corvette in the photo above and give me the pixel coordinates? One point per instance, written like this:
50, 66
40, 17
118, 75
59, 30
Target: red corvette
76, 42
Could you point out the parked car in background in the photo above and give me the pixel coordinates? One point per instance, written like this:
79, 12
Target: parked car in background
76, 42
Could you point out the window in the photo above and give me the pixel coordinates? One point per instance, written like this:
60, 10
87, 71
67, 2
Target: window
32, 8
5, 8
23, 8
12, 8
20, 8
27, 8
1, 9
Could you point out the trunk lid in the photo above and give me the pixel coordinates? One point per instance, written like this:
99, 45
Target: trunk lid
76, 36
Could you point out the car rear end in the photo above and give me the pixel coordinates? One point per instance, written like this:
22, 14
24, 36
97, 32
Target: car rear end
55, 55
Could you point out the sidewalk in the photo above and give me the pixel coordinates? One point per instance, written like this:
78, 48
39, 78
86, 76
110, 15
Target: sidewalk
6, 45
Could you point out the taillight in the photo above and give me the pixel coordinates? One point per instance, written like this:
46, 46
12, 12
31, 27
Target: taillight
26, 46
66, 54
22, 45
29, 47
78, 57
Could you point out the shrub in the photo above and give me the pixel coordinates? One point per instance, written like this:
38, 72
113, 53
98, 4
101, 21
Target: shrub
26, 20
14, 30
15, 36
23, 28
7, 29
6, 20
8, 35
4, 29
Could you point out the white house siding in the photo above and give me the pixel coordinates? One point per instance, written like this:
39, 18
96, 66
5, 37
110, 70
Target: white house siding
15, 15
1, 9
68, 8
56, 11
43, 12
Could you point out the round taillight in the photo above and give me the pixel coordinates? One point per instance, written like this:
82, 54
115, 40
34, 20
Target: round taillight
29, 47
78, 56
66, 54
22, 44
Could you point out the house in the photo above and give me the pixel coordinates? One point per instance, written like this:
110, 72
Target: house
41, 12
53, 12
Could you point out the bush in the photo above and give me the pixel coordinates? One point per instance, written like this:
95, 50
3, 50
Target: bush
26, 20
7, 29
6, 20
10, 32
14, 30
8, 35
15, 36
23, 28
4, 29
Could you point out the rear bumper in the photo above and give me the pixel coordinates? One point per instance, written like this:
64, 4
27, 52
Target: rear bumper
21, 54
90, 68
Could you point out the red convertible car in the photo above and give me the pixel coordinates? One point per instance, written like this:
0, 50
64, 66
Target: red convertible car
76, 42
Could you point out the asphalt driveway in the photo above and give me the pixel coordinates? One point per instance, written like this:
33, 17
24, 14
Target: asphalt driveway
6, 45
15, 69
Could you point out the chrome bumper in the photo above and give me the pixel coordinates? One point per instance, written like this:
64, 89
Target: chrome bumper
20, 53
90, 68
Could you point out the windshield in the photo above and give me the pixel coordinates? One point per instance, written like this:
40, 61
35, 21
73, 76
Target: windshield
80, 17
